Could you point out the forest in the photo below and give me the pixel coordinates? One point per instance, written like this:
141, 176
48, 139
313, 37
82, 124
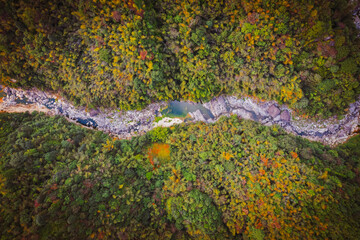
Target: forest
128, 53
234, 179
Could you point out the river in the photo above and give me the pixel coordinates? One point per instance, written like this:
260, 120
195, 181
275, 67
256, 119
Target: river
125, 124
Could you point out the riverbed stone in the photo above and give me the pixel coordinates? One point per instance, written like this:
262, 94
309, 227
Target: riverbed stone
253, 106
266, 120
198, 116
11, 99
129, 123
234, 102
7, 90
273, 111
93, 112
243, 114
217, 106
285, 116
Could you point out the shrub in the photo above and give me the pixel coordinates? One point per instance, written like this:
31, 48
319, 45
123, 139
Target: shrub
302, 103
105, 55
195, 211
159, 134
342, 52
349, 66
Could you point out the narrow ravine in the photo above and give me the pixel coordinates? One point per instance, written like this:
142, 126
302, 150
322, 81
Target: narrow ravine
125, 124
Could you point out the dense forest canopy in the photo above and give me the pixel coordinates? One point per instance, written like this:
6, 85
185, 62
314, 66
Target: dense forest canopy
234, 179
126, 53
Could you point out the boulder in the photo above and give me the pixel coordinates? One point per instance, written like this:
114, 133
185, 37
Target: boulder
273, 111
217, 106
266, 120
20, 95
243, 114
285, 116
235, 102
252, 106
198, 116
7, 90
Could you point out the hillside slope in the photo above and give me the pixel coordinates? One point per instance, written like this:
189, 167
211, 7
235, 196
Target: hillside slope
227, 180
129, 53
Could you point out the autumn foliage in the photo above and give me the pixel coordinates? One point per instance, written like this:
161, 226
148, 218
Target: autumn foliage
127, 53
233, 179
158, 152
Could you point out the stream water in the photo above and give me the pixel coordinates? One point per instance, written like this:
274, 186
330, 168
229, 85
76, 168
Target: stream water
181, 109
24, 100
51, 104
174, 109
87, 122
131, 123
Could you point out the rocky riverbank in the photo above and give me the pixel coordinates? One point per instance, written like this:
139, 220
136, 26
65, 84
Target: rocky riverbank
330, 131
125, 124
